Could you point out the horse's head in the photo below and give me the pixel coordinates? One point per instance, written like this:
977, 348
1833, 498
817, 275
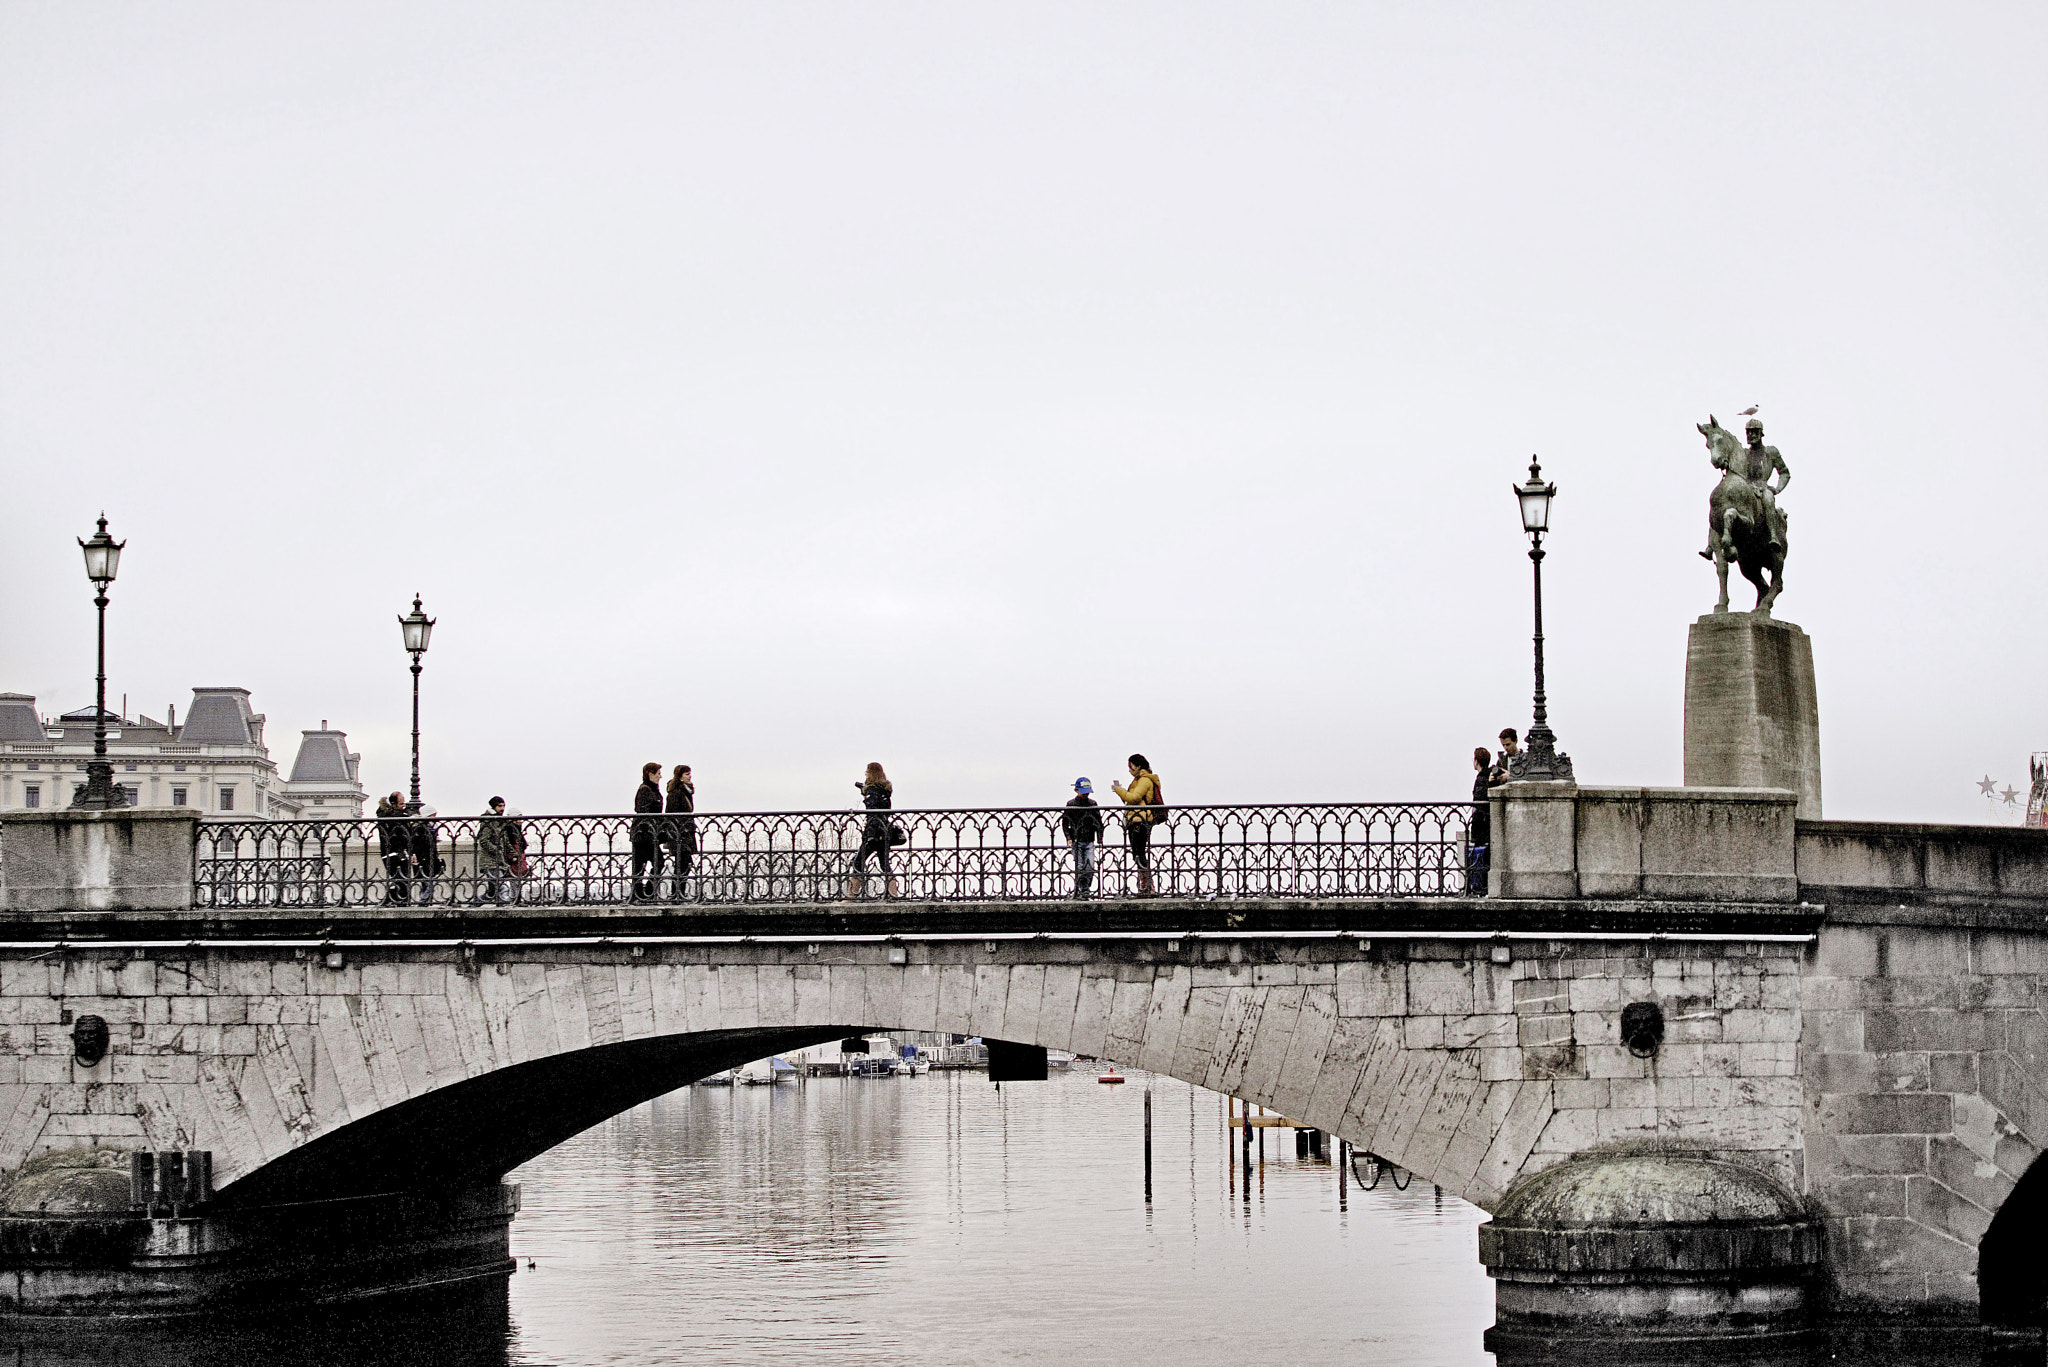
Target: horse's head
1722, 446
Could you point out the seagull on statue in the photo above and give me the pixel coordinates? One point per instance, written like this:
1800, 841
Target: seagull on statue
1750, 411
1988, 785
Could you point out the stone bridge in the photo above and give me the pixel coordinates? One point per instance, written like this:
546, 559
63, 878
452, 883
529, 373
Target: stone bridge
1850, 1015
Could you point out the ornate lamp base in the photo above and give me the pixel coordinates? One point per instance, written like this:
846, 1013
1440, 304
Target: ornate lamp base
100, 792
1541, 762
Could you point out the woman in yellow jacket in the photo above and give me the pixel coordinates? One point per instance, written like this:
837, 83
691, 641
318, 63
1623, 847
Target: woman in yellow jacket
1143, 795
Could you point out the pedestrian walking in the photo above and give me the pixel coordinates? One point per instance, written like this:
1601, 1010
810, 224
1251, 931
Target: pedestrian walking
877, 834
1141, 814
1478, 831
394, 847
1082, 822
682, 832
646, 834
493, 853
515, 848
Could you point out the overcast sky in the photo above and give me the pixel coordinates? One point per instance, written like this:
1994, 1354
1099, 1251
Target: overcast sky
993, 390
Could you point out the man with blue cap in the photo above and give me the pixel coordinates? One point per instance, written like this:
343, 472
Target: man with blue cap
1082, 822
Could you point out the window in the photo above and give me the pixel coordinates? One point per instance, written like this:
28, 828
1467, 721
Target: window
177, 797
177, 768
227, 799
32, 795
132, 794
131, 768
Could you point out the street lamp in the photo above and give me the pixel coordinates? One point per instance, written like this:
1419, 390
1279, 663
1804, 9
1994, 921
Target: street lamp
418, 629
102, 562
1540, 762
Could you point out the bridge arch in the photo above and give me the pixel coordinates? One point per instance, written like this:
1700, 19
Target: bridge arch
386, 1067
409, 1075
2012, 1279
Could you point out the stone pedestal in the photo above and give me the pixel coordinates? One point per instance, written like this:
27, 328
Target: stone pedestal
77, 862
1752, 716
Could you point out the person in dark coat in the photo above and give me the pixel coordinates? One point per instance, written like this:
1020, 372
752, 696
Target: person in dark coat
875, 794
1478, 834
682, 832
394, 847
1082, 823
493, 852
426, 854
647, 835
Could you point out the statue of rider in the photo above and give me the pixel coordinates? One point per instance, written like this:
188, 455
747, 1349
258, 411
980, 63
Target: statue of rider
1761, 463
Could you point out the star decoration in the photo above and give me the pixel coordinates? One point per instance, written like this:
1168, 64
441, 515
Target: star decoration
1988, 785
2011, 795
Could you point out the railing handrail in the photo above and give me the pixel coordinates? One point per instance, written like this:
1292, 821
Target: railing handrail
1108, 808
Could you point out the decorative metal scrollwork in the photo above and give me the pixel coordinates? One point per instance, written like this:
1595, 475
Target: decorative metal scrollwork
1257, 852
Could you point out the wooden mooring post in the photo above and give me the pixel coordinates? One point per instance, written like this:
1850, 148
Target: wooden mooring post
1148, 1146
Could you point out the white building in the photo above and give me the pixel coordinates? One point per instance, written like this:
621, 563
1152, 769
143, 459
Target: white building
216, 762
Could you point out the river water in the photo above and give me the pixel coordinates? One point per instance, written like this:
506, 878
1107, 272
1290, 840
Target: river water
923, 1222
940, 1220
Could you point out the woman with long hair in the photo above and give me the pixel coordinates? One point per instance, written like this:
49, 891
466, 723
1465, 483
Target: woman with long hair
875, 793
682, 832
1141, 813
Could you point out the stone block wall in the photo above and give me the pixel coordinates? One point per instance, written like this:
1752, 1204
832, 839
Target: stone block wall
1924, 1057
1894, 1074
1428, 1051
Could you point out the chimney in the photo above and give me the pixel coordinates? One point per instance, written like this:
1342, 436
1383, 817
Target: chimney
323, 723
172, 724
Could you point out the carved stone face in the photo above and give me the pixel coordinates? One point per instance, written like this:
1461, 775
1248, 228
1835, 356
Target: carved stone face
89, 1040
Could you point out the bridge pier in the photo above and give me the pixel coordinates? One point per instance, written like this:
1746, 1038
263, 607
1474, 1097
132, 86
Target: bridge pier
1645, 1249
75, 1246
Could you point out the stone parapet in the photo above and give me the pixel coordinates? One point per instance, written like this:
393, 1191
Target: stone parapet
1897, 861
85, 862
1693, 844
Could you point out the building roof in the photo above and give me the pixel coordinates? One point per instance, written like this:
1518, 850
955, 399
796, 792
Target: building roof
18, 719
323, 758
219, 716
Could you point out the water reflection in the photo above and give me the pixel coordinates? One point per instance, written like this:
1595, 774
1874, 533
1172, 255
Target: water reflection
930, 1220
939, 1220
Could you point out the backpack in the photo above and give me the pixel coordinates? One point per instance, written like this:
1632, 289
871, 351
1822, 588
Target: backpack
1158, 803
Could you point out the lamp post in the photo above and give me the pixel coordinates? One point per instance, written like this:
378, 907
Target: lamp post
418, 629
1540, 762
102, 561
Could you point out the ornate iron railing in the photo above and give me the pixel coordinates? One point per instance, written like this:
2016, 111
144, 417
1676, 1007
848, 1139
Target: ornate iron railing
1295, 850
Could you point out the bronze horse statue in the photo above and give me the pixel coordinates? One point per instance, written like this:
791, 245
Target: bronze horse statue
1739, 522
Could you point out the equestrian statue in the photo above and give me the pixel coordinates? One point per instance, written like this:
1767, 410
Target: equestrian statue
1744, 522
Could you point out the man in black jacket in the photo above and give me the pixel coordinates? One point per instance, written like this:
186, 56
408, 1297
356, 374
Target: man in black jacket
647, 835
394, 846
1082, 822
